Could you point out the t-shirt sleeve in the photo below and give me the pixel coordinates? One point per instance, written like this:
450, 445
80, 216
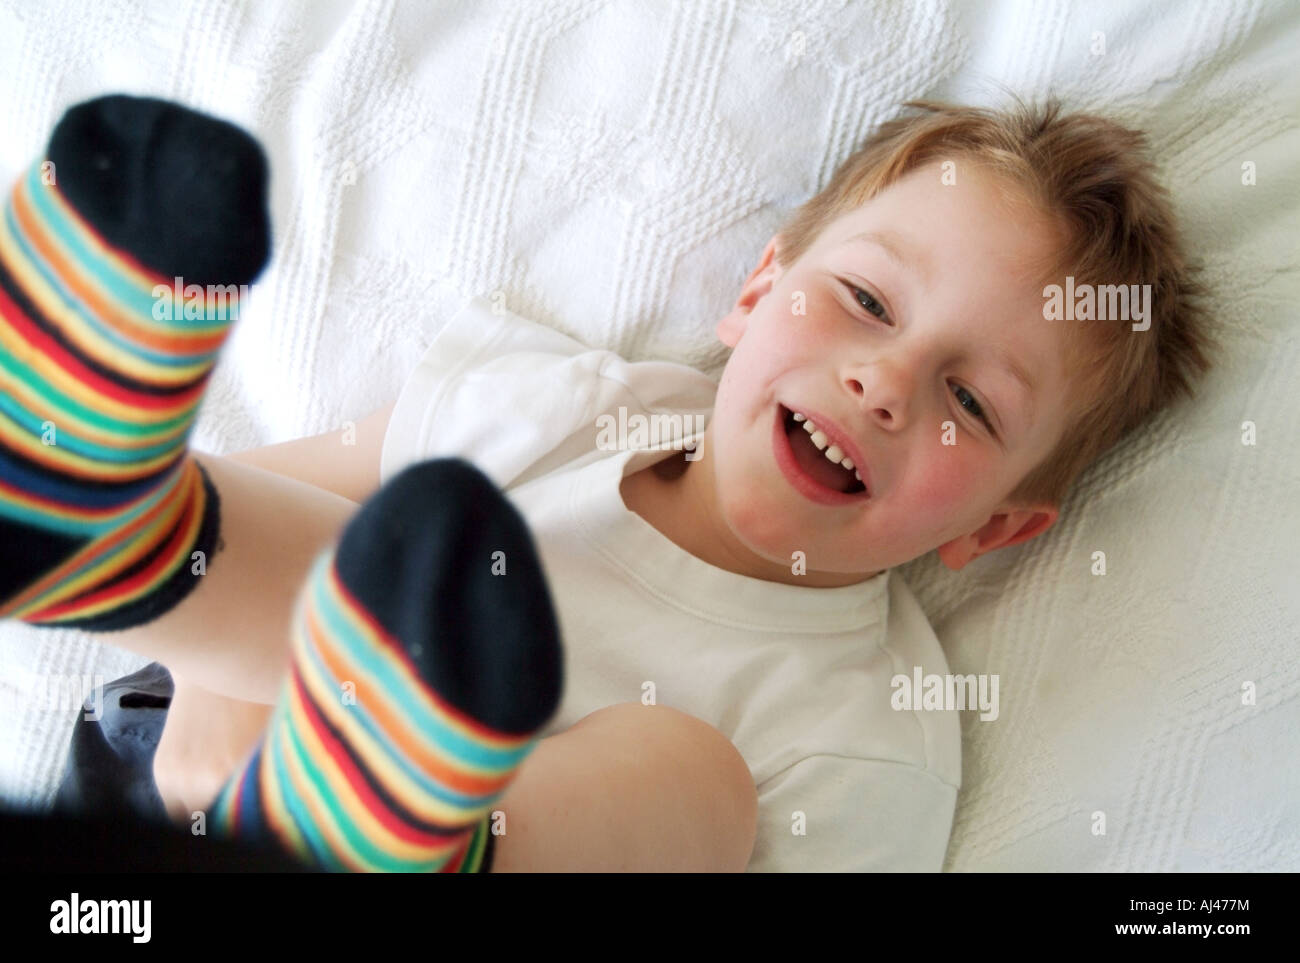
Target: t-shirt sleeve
832, 814
518, 398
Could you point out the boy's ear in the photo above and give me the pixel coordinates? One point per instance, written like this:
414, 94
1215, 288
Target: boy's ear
1006, 528
732, 324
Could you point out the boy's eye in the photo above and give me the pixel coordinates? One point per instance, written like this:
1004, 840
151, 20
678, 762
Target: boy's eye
871, 304
967, 401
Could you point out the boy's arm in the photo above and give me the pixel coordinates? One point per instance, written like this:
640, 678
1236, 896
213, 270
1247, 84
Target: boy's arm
345, 462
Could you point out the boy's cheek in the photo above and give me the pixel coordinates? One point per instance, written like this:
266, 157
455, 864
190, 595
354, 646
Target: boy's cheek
803, 325
944, 487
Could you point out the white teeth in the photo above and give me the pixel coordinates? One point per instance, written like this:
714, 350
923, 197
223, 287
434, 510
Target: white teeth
834, 452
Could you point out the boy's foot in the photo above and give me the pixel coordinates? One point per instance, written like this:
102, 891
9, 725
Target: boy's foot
103, 513
425, 658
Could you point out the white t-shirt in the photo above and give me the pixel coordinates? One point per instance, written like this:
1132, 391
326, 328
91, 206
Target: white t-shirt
798, 678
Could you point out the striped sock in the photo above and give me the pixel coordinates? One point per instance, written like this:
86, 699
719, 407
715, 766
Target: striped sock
101, 506
419, 678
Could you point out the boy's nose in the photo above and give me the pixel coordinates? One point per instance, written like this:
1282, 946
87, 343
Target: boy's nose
884, 391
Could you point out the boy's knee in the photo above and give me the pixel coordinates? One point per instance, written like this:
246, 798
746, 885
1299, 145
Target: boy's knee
706, 770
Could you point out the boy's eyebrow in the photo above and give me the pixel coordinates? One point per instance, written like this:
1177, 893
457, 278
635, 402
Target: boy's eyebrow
1018, 372
1008, 361
899, 251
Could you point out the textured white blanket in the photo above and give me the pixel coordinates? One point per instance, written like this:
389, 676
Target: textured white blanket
613, 168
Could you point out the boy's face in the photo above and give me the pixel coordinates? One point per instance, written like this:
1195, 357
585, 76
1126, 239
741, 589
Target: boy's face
899, 370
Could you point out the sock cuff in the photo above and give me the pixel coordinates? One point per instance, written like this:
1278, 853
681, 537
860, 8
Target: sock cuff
177, 586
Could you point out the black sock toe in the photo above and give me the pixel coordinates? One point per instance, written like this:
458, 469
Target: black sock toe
420, 556
183, 192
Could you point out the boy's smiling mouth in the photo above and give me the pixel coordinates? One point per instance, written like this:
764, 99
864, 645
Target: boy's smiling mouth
809, 469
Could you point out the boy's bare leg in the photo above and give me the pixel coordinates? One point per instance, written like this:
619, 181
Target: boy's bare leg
207, 735
231, 634
280, 505
628, 788
206, 738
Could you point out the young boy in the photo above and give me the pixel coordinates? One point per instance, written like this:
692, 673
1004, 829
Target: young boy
895, 386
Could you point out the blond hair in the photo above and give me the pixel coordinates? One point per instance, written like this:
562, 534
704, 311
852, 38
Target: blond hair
1091, 177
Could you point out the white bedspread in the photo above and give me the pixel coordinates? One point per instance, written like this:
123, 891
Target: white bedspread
613, 168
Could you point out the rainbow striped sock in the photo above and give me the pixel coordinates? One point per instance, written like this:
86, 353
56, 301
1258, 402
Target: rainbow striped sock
419, 679
101, 374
